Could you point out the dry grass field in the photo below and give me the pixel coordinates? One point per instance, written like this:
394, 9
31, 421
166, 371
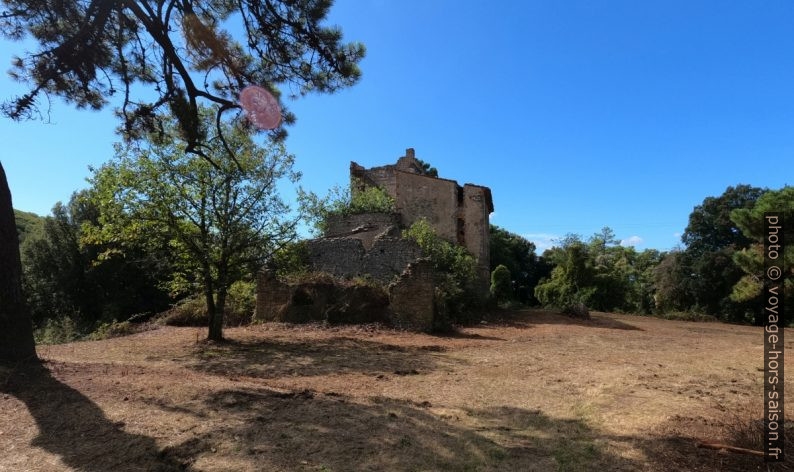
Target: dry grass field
537, 391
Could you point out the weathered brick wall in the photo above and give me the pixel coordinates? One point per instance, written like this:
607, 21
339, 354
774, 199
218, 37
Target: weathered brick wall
420, 196
342, 257
477, 231
411, 297
346, 257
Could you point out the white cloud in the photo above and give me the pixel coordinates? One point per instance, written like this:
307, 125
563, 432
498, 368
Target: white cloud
677, 234
631, 241
492, 215
542, 241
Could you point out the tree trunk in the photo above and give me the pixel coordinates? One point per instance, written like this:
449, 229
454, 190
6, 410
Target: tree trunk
214, 318
216, 328
16, 330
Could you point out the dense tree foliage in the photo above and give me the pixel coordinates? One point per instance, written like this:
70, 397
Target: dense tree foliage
155, 55
341, 201
65, 277
222, 219
751, 258
89, 51
600, 274
518, 254
701, 277
501, 284
455, 270
29, 225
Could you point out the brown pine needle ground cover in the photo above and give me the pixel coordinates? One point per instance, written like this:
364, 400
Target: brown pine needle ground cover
538, 391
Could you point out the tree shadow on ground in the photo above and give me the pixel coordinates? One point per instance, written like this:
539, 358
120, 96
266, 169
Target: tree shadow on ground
266, 430
528, 317
274, 358
75, 428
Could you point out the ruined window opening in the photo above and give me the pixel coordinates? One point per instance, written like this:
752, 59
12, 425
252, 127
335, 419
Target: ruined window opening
461, 231
460, 195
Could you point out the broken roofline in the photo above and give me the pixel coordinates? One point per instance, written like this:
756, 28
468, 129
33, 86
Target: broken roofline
356, 167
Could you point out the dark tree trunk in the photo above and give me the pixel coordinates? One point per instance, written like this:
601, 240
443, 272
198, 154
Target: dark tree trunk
16, 330
216, 324
214, 318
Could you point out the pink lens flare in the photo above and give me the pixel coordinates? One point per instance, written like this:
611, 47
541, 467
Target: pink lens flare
261, 108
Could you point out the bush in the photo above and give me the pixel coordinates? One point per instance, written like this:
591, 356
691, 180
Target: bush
114, 329
501, 284
455, 273
577, 310
240, 303
192, 311
359, 198
57, 331
291, 259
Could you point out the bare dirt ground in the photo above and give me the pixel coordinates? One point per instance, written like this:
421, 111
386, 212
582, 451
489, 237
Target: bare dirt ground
536, 392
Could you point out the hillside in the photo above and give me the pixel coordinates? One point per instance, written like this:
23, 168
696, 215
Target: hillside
28, 224
537, 391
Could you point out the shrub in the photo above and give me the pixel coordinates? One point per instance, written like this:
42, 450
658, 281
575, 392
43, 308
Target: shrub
501, 284
291, 259
240, 303
455, 272
577, 310
359, 198
192, 311
113, 330
57, 331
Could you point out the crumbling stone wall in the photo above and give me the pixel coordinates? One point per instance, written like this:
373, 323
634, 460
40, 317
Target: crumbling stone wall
347, 257
407, 302
457, 214
411, 297
363, 226
370, 245
322, 299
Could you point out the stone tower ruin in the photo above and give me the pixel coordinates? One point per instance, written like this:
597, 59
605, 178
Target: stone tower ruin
371, 245
457, 213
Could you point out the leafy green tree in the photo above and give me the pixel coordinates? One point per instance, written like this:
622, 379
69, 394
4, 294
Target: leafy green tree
711, 240
670, 282
150, 56
356, 199
751, 259
600, 274
571, 281
223, 219
66, 278
29, 225
518, 255
501, 284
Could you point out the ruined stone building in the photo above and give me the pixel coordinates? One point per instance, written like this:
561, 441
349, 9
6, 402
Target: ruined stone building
457, 214
370, 245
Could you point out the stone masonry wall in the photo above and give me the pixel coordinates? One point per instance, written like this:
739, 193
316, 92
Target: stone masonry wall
346, 257
363, 226
411, 297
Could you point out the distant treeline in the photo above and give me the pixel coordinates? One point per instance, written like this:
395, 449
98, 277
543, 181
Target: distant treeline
717, 270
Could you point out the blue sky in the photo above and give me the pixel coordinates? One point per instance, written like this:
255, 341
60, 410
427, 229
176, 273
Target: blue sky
577, 114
